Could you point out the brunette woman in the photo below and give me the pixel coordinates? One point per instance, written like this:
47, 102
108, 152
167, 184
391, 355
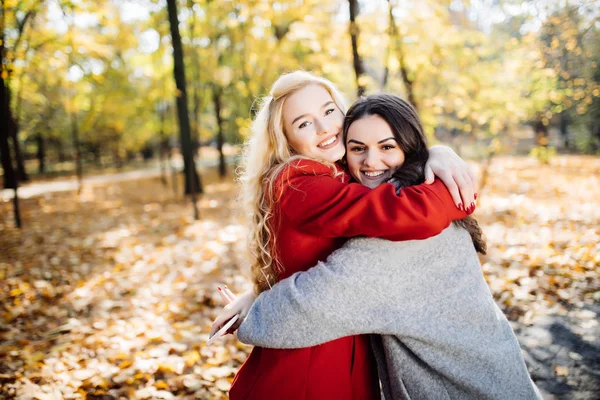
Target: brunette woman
442, 335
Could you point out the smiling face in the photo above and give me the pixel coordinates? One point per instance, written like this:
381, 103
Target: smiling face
313, 124
373, 154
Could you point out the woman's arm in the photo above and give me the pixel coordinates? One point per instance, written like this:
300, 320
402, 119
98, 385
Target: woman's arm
456, 174
337, 298
318, 204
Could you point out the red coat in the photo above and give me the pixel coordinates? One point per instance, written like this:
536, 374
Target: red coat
314, 216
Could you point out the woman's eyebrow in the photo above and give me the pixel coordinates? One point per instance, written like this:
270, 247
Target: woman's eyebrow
356, 141
304, 115
298, 117
385, 140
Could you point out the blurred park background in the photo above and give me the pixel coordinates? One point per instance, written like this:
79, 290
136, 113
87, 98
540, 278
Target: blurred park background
121, 123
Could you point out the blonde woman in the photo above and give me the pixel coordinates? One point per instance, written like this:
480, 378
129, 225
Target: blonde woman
303, 208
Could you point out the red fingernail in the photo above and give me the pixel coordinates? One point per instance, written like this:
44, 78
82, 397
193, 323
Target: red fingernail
219, 287
460, 207
475, 196
472, 206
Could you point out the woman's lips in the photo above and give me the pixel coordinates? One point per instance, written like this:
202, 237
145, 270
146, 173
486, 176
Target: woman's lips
329, 143
380, 174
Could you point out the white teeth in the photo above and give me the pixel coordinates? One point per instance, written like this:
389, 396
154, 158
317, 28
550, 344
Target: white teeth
327, 143
373, 174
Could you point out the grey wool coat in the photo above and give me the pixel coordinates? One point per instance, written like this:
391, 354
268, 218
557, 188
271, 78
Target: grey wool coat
439, 333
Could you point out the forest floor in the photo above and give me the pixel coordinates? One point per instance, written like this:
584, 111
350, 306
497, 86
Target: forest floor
110, 293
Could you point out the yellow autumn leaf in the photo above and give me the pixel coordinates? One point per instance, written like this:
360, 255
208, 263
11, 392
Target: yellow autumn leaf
561, 370
161, 385
192, 357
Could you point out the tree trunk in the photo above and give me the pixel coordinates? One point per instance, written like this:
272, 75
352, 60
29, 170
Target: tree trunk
396, 39
174, 175
60, 151
11, 180
162, 151
595, 130
117, 156
17, 210
77, 155
10, 177
41, 153
163, 147
359, 69
195, 82
10, 121
216, 95
386, 68
564, 129
13, 131
192, 180
541, 132
11, 127
72, 112
97, 151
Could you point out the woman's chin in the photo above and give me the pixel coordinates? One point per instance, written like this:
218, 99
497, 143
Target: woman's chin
373, 183
335, 154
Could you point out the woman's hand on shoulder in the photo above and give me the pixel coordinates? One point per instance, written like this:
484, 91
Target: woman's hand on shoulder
456, 174
238, 305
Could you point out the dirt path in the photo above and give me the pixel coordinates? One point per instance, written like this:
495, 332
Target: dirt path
63, 185
563, 353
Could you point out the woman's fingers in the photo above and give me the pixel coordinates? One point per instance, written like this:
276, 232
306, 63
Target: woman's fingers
229, 293
225, 316
429, 175
224, 296
237, 305
465, 188
448, 180
457, 175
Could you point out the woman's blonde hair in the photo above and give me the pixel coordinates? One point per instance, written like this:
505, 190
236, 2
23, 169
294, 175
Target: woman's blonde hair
264, 157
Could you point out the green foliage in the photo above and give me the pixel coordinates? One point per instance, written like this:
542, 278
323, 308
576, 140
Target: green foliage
107, 64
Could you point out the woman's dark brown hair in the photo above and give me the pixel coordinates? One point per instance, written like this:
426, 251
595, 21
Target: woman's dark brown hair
408, 132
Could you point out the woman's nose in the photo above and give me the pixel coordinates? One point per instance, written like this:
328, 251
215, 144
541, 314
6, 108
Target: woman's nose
322, 126
370, 159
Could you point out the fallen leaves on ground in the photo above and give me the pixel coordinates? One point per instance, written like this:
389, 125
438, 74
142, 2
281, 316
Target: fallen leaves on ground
543, 228
110, 294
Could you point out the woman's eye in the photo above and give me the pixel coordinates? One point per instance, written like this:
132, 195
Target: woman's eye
388, 147
357, 149
329, 111
304, 124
